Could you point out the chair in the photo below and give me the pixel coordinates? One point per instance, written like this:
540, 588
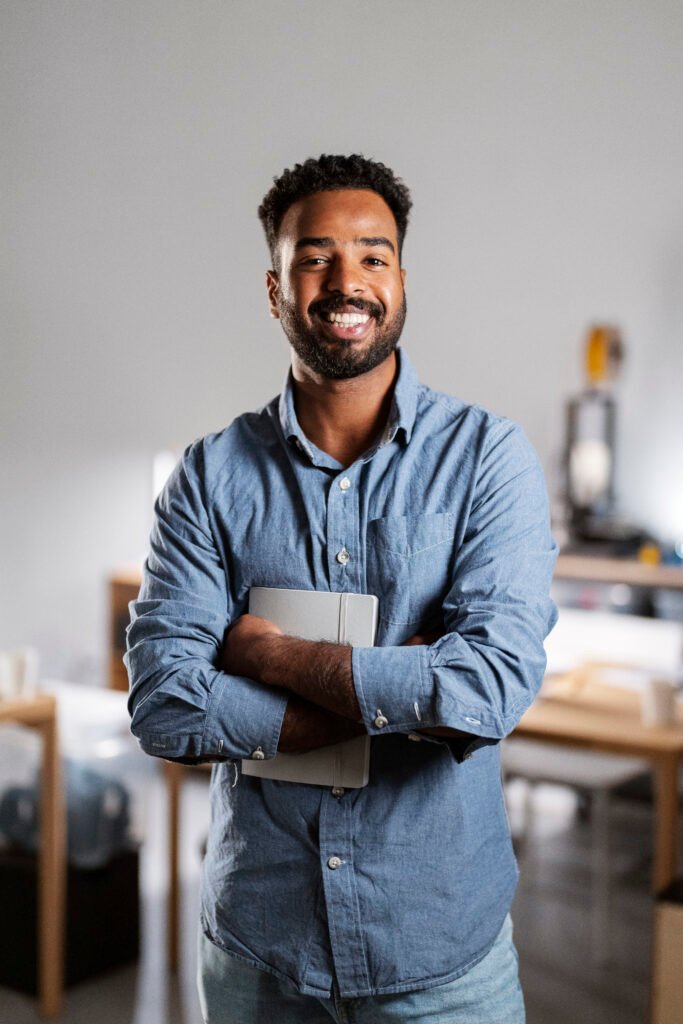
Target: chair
595, 776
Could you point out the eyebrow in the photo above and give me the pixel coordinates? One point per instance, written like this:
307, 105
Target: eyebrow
327, 242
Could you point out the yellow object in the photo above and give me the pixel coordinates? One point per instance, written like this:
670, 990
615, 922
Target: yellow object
604, 353
597, 346
649, 554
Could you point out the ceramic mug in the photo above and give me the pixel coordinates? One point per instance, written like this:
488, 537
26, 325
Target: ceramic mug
659, 702
19, 673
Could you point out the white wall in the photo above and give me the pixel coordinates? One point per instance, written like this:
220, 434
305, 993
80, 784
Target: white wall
543, 143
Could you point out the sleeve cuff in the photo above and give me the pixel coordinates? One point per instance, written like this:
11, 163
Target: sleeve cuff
243, 719
391, 688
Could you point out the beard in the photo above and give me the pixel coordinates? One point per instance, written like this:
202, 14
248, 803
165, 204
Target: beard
337, 358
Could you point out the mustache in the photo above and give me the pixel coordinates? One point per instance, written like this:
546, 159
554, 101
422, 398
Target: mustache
337, 303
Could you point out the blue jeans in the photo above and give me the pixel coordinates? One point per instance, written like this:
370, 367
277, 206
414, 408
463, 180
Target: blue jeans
231, 992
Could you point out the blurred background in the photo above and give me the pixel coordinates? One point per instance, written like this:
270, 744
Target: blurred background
543, 144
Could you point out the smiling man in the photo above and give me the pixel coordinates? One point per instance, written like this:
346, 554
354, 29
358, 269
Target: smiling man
388, 902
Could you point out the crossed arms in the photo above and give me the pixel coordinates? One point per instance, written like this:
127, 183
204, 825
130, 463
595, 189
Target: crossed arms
322, 706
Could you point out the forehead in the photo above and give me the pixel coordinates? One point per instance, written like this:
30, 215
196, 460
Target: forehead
343, 215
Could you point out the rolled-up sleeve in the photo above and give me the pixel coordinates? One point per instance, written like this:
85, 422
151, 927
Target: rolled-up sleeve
182, 707
484, 672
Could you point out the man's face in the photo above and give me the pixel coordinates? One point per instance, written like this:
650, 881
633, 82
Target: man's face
339, 289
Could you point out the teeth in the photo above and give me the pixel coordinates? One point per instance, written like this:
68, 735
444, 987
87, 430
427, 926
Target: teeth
348, 319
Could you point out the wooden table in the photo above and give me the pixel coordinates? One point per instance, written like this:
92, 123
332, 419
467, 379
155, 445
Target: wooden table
579, 711
40, 713
618, 570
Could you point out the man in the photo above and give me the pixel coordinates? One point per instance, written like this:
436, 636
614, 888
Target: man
388, 902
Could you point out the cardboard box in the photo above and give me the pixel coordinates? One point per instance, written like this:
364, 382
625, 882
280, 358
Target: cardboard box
667, 973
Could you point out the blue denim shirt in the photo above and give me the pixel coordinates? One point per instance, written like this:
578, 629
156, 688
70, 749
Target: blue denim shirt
445, 519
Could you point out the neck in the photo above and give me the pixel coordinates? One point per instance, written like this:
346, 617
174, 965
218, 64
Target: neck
344, 417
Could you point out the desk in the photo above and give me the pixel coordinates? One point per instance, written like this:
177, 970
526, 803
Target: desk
40, 713
595, 716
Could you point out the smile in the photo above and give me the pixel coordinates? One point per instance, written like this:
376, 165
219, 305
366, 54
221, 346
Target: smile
348, 319
348, 326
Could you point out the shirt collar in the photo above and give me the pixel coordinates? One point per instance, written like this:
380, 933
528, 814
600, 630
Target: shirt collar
401, 415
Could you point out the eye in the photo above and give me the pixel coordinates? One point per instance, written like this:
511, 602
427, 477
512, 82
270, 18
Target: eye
313, 261
375, 261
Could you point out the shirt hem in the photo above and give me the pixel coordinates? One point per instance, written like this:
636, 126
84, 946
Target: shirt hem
415, 985
418, 985
262, 965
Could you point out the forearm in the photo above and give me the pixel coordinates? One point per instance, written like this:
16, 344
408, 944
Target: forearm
456, 684
316, 671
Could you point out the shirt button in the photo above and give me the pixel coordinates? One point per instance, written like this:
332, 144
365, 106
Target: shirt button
338, 791
258, 755
345, 483
334, 862
381, 721
343, 556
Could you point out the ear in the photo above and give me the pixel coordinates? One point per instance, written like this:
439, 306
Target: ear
273, 288
403, 276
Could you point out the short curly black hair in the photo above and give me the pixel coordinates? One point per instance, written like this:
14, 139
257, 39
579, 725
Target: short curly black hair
327, 174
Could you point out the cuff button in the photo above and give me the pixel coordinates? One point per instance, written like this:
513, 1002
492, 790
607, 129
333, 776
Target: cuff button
258, 755
381, 721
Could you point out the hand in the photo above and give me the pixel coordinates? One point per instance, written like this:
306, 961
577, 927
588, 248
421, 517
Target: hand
244, 645
306, 726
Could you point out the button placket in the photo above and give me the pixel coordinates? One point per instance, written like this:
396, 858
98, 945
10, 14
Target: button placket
337, 829
342, 534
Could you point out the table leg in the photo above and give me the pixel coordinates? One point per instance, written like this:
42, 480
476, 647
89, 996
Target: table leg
666, 822
173, 795
52, 875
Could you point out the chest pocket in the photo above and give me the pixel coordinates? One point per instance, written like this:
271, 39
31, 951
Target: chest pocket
408, 566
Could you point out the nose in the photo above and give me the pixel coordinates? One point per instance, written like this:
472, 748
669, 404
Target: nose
344, 276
